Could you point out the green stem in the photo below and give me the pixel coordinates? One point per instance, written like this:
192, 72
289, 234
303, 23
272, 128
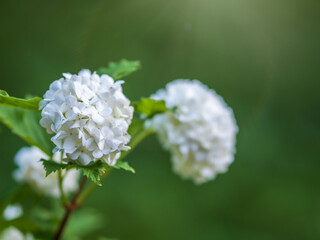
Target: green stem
60, 179
63, 196
85, 194
136, 140
31, 104
69, 209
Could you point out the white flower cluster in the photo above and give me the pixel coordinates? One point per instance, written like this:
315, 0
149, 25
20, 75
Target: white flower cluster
12, 212
12, 233
89, 115
31, 171
199, 133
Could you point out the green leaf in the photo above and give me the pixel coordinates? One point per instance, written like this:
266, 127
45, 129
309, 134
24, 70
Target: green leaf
93, 171
123, 165
25, 124
51, 166
149, 107
135, 127
31, 104
4, 93
118, 70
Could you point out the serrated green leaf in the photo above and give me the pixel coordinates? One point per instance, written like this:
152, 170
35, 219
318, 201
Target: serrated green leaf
120, 69
149, 107
93, 171
25, 124
51, 166
31, 104
124, 166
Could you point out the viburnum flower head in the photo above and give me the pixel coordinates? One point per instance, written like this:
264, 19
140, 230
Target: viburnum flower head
89, 115
31, 171
200, 131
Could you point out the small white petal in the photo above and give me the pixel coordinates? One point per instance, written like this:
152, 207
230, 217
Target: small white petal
97, 154
98, 118
69, 145
67, 75
84, 159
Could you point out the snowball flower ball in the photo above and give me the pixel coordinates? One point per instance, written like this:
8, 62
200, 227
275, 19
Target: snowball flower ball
31, 171
89, 116
200, 131
12, 233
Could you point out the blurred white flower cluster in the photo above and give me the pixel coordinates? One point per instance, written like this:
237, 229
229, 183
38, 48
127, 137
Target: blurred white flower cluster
199, 133
89, 115
12, 233
31, 171
12, 211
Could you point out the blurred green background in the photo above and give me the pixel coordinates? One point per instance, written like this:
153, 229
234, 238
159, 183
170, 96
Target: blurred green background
262, 56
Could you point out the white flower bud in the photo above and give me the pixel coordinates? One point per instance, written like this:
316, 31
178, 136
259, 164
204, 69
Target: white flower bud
199, 133
89, 116
31, 171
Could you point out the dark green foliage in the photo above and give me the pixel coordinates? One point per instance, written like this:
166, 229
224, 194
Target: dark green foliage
25, 124
93, 171
51, 166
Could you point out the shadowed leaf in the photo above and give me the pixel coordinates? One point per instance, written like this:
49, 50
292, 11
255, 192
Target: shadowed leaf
25, 124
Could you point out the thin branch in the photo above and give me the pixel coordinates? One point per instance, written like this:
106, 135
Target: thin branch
69, 209
63, 196
64, 199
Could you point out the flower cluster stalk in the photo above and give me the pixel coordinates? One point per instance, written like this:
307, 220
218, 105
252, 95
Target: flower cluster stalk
69, 209
80, 196
60, 179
